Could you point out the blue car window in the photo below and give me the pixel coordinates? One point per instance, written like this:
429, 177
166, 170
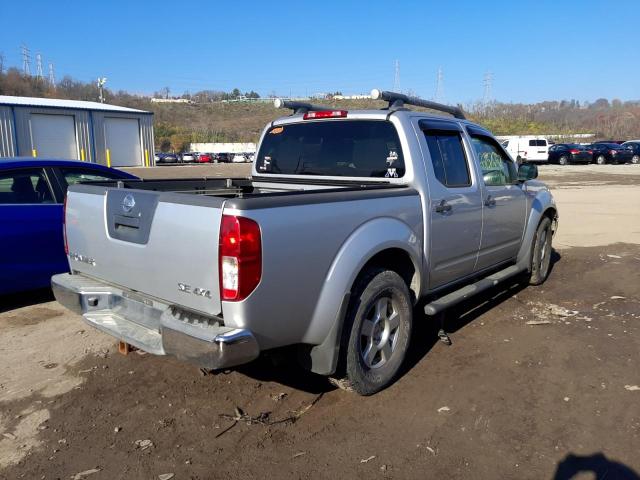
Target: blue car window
25, 186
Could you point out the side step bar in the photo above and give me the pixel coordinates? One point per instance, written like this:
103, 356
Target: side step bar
469, 291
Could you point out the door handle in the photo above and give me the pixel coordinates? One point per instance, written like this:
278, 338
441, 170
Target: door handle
443, 207
490, 201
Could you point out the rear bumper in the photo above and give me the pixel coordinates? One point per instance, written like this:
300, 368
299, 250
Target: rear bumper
155, 327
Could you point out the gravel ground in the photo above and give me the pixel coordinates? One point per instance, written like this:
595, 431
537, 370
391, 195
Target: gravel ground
540, 382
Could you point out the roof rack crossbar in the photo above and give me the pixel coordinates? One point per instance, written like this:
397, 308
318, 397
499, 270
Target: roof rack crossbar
399, 100
299, 107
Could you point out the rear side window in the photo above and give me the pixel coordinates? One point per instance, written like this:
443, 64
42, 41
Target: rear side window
533, 143
28, 186
340, 148
448, 158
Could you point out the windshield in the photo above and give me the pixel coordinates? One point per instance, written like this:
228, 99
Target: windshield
351, 148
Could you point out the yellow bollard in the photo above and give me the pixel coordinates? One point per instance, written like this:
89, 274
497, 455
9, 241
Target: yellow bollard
82, 154
108, 158
146, 158
34, 153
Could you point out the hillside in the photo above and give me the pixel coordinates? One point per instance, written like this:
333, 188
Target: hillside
209, 119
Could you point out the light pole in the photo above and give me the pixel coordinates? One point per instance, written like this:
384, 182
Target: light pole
101, 82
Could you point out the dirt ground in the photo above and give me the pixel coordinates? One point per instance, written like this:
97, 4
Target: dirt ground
540, 382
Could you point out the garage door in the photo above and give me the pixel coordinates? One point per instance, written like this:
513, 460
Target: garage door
122, 138
54, 136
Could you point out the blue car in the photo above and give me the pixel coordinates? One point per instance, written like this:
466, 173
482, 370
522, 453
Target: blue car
31, 202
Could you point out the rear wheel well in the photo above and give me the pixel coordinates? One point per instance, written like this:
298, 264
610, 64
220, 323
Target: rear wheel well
399, 261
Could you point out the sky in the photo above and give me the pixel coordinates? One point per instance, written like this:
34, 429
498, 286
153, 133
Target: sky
535, 50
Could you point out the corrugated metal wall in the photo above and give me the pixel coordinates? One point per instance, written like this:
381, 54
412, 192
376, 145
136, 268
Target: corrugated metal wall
7, 133
15, 132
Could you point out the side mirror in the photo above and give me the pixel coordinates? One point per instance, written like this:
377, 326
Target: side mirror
527, 171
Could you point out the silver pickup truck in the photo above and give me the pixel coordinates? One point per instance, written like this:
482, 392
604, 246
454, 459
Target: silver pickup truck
350, 219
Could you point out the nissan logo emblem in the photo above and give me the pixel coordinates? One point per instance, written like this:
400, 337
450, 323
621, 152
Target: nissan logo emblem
128, 202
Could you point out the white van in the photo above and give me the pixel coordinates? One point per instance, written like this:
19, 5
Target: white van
527, 148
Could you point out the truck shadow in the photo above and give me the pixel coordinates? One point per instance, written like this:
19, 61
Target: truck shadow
425, 328
282, 366
576, 466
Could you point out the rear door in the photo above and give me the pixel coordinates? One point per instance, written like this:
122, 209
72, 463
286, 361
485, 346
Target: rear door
504, 202
31, 233
455, 204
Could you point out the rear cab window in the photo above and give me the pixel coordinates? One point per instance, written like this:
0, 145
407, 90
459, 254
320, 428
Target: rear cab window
336, 148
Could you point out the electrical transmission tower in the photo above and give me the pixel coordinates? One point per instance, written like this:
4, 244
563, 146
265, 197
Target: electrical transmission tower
439, 95
52, 76
26, 60
487, 82
39, 74
396, 77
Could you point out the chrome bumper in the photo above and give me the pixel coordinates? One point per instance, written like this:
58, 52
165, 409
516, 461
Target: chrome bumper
153, 326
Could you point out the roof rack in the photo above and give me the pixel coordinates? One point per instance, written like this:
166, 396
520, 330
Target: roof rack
299, 107
399, 100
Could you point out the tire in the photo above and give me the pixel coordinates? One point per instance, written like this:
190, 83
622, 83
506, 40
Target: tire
563, 160
601, 160
541, 254
376, 332
635, 159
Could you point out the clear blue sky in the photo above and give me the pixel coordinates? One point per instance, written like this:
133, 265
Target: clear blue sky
536, 50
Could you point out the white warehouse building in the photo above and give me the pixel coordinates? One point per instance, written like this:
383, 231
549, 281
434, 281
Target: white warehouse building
75, 130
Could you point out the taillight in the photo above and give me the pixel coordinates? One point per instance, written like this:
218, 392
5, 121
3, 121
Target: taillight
590, 152
64, 225
613, 152
574, 151
240, 257
325, 114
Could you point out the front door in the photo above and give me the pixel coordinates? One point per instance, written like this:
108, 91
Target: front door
504, 203
455, 204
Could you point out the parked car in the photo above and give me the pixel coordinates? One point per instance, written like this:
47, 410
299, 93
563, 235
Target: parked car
202, 157
223, 157
619, 142
634, 147
239, 158
32, 193
527, 148
610, 153
341, 230
566, 153
188, 157
165, 158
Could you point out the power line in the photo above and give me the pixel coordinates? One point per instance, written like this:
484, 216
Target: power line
439, 95
26, 60
488, 83
396, 77
39, 74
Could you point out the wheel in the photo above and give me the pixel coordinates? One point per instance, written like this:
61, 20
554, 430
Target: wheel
635, 159
376, 332
601, 160
541, 255
563, 160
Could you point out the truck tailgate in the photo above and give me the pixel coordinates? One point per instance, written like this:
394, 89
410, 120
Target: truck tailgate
164, 245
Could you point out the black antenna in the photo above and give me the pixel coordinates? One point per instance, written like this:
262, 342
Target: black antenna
399, 100
299, 107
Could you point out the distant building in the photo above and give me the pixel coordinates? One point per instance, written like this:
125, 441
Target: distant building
75, 130
171, 100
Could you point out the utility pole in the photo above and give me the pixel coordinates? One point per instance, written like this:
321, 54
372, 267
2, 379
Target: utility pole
39, 74
439, 95
52, 77
26, 60
396, 77
101, 82
487, 82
